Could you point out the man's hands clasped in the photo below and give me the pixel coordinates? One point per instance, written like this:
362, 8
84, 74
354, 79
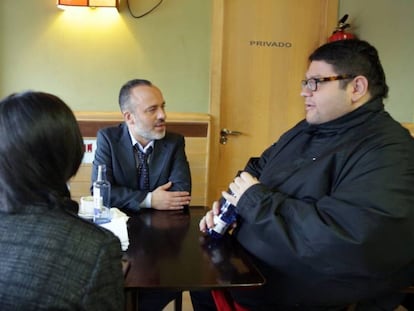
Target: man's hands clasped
237, 187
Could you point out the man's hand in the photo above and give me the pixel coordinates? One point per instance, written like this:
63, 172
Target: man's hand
162, 199
208, 220
239, 186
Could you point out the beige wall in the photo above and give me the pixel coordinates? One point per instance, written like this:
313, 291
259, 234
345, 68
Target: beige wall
85, 57
388, 25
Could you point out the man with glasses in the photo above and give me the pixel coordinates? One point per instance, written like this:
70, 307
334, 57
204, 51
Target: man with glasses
327, 212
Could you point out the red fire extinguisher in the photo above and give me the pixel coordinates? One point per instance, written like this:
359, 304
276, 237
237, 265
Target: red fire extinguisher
339, 33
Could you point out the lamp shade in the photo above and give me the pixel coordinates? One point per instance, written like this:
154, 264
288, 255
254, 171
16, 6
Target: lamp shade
73, 2
89, 3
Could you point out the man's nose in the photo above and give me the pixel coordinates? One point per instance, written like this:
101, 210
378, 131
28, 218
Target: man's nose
305, 92
161, 113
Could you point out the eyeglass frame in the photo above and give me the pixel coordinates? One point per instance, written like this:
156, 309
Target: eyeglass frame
305, 83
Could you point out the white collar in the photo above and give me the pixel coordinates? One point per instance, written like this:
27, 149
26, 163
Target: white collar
134, 142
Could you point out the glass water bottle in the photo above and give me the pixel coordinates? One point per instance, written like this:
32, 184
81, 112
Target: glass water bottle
102, 197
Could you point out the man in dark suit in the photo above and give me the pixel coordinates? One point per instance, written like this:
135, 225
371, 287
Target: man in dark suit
144, 130
143, 108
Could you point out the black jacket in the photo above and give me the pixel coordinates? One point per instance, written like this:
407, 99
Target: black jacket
51, 259
332, 220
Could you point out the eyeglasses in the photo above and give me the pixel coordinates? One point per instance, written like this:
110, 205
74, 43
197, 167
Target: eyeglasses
312, 83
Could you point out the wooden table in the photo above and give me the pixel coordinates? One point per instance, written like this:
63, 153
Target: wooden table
167, 251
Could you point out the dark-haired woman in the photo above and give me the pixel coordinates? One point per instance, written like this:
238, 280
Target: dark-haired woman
49, 258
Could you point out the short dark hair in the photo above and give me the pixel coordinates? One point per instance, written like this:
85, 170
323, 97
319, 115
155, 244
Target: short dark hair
355, 57
125, 92
41, 149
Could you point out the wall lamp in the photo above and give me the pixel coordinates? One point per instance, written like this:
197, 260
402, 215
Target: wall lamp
88, 3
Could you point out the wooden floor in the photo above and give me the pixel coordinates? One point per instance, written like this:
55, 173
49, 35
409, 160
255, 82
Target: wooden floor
187, 306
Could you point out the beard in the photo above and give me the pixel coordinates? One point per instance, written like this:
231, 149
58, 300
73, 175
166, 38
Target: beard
148, 134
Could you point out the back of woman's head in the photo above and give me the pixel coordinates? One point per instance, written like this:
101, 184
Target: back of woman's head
41, 149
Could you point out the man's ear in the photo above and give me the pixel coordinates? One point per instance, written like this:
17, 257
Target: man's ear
128, 117
359, 88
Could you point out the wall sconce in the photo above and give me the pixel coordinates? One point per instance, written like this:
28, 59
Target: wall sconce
89, 3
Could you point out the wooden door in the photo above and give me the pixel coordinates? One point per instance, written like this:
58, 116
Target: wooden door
259, 57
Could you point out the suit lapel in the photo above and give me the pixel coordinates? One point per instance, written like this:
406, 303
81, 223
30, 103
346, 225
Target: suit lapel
126, 159
157, 163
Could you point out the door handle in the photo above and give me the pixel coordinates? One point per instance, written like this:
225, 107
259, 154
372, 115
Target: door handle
225, 132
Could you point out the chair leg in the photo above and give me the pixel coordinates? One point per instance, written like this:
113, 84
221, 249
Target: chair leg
178, 303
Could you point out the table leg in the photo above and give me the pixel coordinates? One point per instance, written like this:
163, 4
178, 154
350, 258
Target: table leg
131, 299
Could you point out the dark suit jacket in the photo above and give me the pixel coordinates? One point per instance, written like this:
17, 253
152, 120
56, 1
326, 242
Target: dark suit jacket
51, 259
168, 162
